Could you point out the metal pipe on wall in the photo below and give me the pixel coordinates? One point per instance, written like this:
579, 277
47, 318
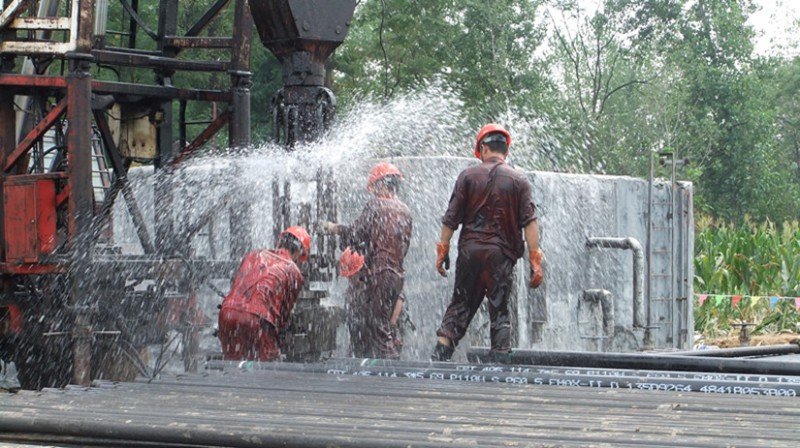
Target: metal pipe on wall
638, 270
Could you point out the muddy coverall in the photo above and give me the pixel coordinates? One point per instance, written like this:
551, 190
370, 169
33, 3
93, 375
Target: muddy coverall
257, 308
381, 233
492, 202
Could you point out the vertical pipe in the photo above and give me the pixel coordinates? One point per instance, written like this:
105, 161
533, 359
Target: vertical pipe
80, 203
100, 22
689, 274
133, 26
241, 78
239, 124
648, 332
638, 270
182, 135
8, 142
164, 195
277, 223
673, 225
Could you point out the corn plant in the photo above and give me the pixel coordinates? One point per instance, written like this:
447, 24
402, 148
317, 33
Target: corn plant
746, 260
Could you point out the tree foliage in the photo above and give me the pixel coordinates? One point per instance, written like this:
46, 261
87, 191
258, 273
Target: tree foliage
583, 90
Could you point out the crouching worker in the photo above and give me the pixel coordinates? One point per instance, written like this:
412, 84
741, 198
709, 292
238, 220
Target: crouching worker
264, 291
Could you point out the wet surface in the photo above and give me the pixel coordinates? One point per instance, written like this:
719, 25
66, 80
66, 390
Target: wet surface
236, 407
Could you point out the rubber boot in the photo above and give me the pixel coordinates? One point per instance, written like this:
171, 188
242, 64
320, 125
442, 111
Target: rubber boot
8, 377
442, 352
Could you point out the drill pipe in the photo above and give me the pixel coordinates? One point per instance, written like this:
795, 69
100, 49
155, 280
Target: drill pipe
642, 361
444, 371
737, 352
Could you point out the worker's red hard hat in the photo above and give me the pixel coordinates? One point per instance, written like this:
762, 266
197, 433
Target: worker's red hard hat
350, 262
302, 236
491, 128
380, 171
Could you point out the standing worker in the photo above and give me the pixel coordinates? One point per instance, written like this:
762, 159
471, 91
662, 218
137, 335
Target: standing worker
381, 234
492, 202
257, 309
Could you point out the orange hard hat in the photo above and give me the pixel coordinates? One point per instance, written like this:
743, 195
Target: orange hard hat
350, 262
491, 128
380, 171
302, 236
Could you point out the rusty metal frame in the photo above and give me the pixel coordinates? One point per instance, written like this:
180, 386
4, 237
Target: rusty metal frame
35, 134
72, 93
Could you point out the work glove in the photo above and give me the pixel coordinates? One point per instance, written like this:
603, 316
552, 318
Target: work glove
536, 268
327, 227
442, 258
350, 263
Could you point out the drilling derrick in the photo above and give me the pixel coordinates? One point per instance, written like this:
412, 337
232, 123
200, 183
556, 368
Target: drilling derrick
76, 113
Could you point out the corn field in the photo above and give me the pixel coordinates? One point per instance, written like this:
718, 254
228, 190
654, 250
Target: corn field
749, 260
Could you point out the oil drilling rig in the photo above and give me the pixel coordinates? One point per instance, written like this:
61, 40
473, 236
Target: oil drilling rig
89, 88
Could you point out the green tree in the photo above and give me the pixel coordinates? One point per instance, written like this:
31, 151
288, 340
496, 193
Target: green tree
394, 46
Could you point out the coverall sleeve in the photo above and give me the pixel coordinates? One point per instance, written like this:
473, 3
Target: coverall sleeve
454, 216
357, 235
527, 209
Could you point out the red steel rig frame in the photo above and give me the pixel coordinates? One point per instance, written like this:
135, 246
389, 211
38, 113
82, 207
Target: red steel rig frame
67, 291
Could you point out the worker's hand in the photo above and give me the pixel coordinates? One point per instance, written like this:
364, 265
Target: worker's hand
536, 268
442, 258
395, 337
328, 227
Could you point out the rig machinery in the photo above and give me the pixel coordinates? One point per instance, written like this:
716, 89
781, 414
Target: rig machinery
70, 304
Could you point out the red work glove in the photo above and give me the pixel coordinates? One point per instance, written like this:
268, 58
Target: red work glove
536, 268
442, 258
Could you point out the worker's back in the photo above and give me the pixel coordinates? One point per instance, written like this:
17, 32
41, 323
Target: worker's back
492, 201
266, 284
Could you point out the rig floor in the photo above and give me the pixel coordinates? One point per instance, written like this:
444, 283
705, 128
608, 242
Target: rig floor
285, 405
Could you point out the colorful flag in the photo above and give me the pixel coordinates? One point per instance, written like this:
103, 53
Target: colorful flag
718, 299
773, 300
797, 303
736, 300
703, 298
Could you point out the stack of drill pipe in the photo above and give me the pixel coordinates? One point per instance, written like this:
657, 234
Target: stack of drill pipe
266, 407
617, 378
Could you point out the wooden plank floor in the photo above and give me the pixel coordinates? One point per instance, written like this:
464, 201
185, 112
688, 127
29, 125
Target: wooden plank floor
298, 409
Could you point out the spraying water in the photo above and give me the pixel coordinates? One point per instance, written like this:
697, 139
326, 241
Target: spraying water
426, 136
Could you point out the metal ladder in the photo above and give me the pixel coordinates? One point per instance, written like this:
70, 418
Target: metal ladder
101, 174
661, 273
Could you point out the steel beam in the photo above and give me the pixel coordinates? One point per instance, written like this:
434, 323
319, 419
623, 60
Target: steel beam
35, 134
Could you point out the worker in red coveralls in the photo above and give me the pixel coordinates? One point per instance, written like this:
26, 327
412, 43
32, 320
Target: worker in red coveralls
381, 234
257, 308
492, 204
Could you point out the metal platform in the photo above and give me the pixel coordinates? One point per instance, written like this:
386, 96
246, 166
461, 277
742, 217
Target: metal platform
290, 405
